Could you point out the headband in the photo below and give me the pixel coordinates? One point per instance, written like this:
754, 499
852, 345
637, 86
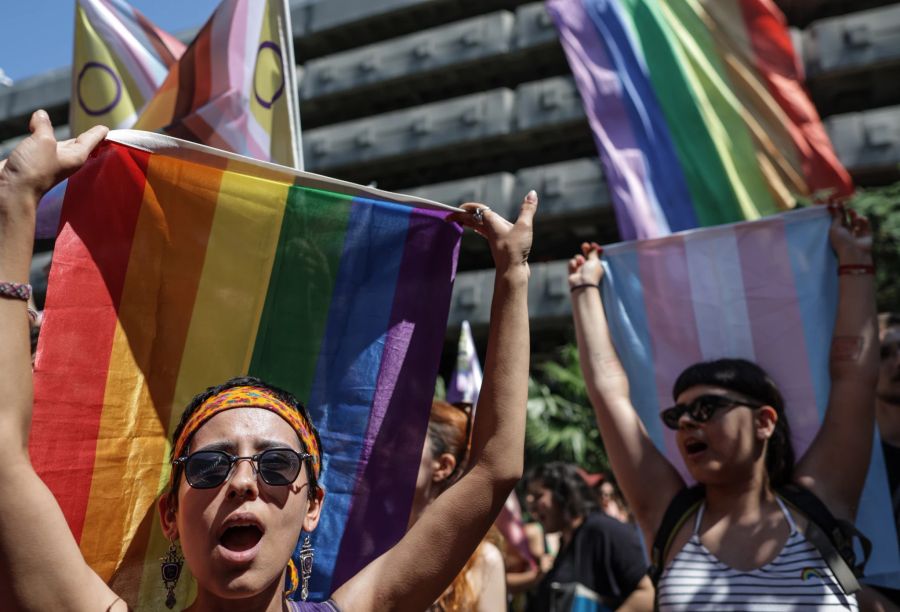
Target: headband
251, 397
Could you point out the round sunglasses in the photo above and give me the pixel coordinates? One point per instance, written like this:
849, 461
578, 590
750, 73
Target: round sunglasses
207, 469
703, 408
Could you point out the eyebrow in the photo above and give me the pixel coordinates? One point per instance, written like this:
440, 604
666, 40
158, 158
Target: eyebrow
230, 447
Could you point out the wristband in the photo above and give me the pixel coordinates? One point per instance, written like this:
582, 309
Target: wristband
856, 270
582, 286
15, 291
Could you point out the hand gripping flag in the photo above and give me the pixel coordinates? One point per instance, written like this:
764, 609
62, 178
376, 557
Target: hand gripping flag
178, 267
698, 110
764, 291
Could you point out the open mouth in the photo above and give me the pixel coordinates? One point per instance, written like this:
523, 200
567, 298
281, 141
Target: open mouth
240, 538
693, 447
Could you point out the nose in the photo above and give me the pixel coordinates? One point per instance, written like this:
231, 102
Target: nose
243, 481
686, 422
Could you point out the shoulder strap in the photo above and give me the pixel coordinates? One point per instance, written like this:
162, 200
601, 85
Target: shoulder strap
680, 508
832, 537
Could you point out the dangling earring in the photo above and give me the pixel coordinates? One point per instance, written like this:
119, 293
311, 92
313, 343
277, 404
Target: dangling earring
306, 563
171, 571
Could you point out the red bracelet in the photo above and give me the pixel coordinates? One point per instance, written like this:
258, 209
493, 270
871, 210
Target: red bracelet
16, 291
856, 269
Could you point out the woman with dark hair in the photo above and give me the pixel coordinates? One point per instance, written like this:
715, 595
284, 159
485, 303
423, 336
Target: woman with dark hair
742, 548
246, 459
599, 559
481, 585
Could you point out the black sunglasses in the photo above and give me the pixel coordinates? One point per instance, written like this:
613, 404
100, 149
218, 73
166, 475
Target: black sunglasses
207, 469
703, 408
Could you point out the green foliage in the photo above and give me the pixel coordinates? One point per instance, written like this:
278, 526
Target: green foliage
882, 206
561, 422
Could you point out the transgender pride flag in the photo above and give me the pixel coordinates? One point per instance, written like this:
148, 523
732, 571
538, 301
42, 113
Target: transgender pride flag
763, 290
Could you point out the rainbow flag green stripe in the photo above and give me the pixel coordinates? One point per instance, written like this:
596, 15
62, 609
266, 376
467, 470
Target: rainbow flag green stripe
177, 267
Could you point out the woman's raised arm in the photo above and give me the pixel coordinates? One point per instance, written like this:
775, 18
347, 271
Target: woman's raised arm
413, 574
42, 568
847, 429
646, 477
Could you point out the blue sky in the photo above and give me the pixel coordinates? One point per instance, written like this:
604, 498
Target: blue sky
36, 35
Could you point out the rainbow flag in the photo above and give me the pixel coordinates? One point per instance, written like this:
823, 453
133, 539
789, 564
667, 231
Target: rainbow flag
177, 267
763, 290
698, 110
235, 88
119, 62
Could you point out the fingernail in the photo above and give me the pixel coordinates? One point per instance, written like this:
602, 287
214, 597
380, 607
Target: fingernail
531, 196
42, 114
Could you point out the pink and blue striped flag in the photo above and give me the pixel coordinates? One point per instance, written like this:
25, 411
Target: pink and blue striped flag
764, 291
698, 110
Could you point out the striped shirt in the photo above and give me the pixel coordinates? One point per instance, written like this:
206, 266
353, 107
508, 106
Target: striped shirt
797, 579
305, 606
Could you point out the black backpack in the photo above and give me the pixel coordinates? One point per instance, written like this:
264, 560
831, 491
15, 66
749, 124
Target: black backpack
832, 537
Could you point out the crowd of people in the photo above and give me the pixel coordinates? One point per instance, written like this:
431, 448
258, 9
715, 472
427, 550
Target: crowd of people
247, 464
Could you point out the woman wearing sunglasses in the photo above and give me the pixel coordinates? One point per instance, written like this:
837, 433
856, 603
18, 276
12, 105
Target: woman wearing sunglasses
246, 458
742, 548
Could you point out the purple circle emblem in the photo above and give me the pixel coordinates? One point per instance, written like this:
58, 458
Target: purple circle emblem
94, 112
280, 89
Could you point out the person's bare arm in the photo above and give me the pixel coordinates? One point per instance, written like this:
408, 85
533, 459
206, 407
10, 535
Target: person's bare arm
647, 479
847, 429
42, 567
413, 574
492, 570
641, 598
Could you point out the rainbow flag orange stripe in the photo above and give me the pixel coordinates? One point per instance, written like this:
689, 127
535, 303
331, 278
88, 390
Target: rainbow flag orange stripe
177, 267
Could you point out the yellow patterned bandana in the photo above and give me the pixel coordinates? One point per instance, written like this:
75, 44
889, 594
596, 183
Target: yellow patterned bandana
251, 397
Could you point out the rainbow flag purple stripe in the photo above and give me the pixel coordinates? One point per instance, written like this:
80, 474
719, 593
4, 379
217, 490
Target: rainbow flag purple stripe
763, 290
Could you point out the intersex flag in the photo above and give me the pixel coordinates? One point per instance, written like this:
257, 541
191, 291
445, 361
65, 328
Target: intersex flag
119, 62
178, 266
698, 110
764, 291
235, 88
465, 381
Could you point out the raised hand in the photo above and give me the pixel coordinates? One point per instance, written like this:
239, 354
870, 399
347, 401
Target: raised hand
39, 161
850, 235
510, 243
585, 268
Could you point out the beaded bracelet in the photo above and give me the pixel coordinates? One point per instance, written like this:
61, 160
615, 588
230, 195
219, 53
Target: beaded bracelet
582, 286
15, 291
856, 269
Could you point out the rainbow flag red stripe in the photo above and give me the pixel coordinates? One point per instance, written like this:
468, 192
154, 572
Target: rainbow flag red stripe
178, 267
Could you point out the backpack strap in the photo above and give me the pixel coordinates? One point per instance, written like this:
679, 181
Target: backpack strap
832, 537
685, 502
